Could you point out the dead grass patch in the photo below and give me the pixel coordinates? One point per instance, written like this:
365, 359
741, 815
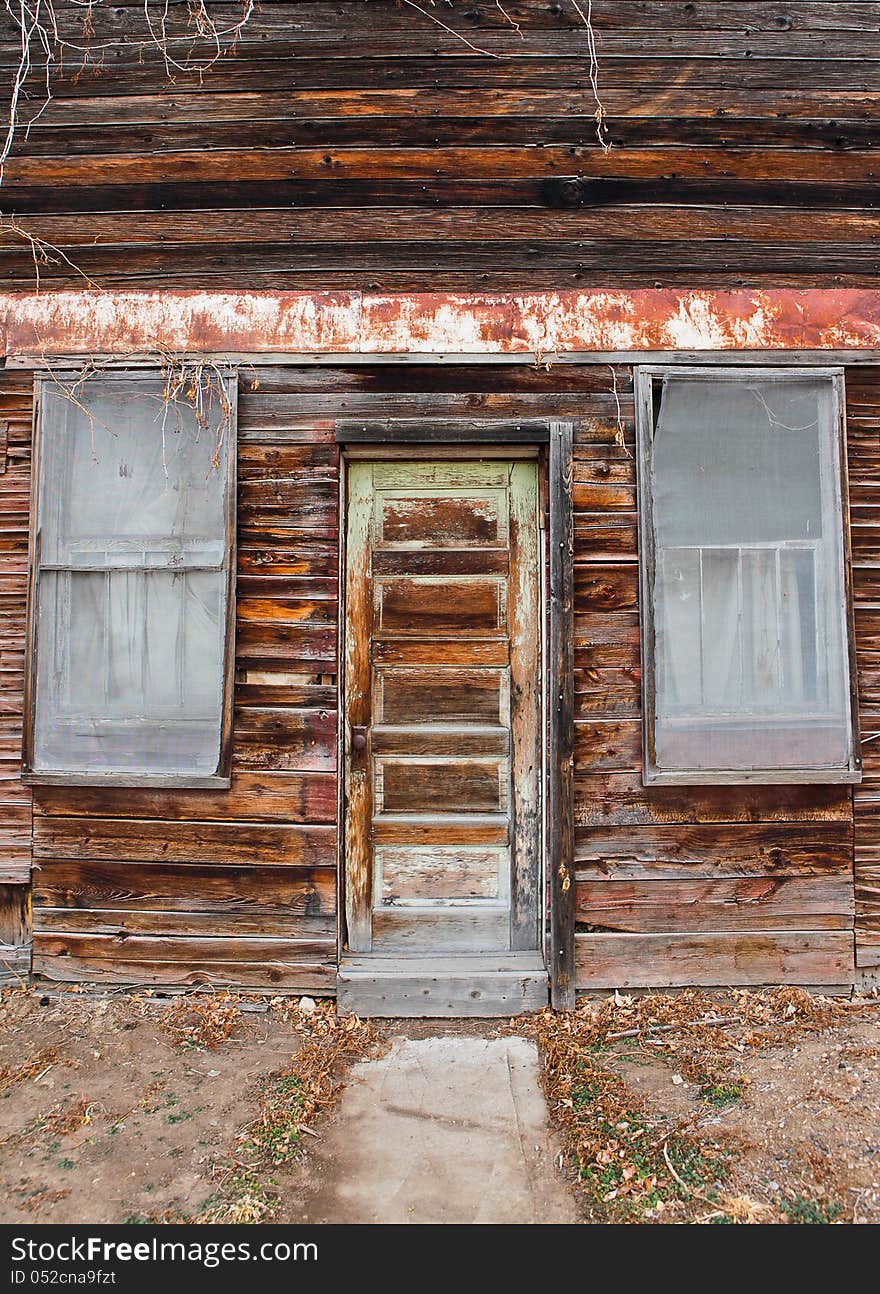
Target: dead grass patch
291, 1100
34, 1067
34, 1199
628, 1161
705, 1037
64, 1122
59, 1121
635, 1164
201, 1021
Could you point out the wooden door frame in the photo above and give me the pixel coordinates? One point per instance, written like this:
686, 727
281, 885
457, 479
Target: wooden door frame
405, 438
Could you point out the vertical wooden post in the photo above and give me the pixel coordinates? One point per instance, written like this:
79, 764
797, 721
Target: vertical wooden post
560, 709
524, 613
356, 710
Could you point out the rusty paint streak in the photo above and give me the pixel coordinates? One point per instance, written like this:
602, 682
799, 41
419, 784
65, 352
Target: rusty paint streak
545, 323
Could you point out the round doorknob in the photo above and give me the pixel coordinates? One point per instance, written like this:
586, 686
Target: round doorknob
359, 741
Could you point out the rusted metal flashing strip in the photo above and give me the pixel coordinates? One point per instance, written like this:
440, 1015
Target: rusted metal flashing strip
540, 323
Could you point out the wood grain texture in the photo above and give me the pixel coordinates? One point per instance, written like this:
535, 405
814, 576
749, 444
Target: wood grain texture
863, 425
723, 849
716, 959
16, 399
15, 965
689, 864
560, 709
458, 154
15, 916
184, 960
358, 856
794, 844
686, 906
524, 620
127, 898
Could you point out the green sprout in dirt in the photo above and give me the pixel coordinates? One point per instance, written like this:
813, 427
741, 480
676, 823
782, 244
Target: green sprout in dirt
723, 1094
627, 1163
810, 1212
278, 1134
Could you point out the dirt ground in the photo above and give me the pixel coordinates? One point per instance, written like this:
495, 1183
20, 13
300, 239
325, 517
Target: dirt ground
808, 1122
103, 1118
128, 1108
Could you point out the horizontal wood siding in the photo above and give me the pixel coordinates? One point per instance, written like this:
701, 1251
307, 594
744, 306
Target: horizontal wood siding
366, 144
863, 434
15, 799
222, 887
681, 885
713, 885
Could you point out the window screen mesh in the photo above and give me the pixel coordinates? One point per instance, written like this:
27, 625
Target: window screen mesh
751, 661
131, 582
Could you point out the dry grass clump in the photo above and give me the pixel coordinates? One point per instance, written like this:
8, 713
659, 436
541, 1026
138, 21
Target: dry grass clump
291, 1099
81, 1114
290, 1102
36, 1065
635, 1164
628, 1160
34, 1200
201, 1020
704, 1035
59, 1121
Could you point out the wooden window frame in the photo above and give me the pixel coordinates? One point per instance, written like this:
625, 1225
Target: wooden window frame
645, 375
222, 777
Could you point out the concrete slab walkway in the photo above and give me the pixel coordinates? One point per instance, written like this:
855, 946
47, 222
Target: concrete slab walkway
441, 1129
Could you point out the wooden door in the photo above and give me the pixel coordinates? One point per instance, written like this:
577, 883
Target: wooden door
442, 699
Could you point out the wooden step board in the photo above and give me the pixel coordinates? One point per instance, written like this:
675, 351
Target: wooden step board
495, 984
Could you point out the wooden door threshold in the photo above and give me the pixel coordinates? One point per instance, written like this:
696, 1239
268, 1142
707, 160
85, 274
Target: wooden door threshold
479, 985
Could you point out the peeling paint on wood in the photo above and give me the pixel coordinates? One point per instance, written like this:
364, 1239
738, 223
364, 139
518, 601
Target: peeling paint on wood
543, 323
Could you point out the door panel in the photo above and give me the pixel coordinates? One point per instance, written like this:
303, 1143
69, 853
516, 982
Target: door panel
452, 607
421, 520
422, 786
451, 695
452, 872
442, 751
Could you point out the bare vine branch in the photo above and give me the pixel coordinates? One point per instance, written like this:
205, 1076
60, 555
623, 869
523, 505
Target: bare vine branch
515, 25
457, 34
43, 253
44, 44
600, 113
27, 17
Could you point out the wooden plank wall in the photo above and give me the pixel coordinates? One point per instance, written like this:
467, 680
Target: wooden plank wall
863, 432
682, 885
673, 886
16, 402
360, 145
239, 886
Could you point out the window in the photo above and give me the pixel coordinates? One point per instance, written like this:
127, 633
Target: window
745, 609
132, 594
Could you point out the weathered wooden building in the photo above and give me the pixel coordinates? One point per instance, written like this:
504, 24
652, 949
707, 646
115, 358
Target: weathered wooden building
440, 555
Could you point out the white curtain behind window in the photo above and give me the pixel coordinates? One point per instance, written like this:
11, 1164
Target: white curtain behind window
750, 650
